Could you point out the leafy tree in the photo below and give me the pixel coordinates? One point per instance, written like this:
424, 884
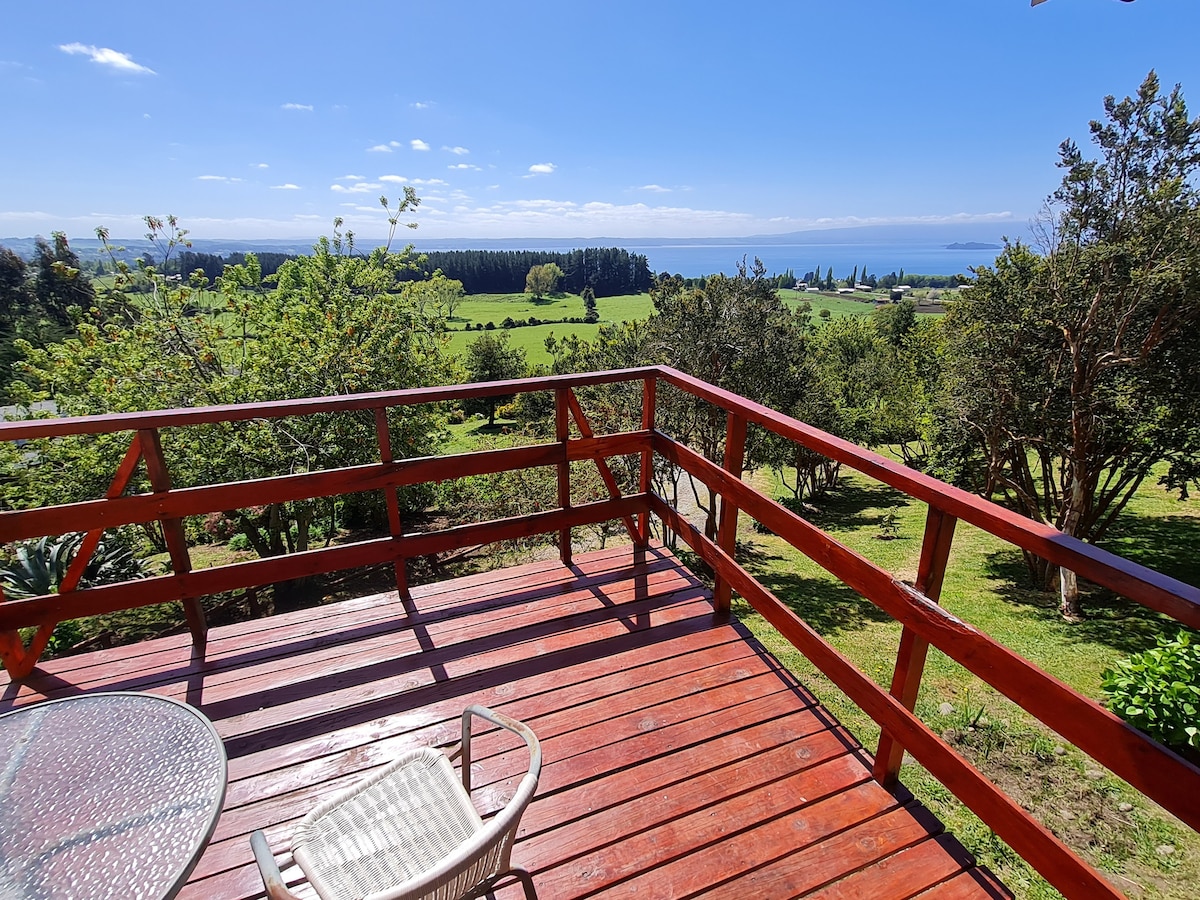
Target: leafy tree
542, 279
337, 322
735, 333
829, 279
1072, 374
489, 358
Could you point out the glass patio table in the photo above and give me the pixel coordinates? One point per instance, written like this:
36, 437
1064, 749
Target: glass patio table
106, 795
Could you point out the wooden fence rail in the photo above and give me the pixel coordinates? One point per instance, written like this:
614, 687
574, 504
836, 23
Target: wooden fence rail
1157, 772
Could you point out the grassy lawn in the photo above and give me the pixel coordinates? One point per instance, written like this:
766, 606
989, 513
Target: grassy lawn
495, 308
1143, 849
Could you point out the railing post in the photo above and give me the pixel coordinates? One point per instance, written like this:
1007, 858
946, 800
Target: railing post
562, 433
645, 481
181, 563
735, 451
395, 526
910, 658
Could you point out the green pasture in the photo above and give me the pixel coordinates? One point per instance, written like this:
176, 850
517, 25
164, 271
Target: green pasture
986, 584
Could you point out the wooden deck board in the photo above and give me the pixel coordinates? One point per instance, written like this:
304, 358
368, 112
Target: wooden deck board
680, 758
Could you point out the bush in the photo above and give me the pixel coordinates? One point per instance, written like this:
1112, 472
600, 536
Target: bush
1158, 692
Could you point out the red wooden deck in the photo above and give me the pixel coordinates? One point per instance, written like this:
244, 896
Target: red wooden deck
681, 759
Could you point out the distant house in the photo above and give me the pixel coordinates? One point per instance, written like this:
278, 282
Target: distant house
801, 286
902, 288
812, 290
863, 287
845, 290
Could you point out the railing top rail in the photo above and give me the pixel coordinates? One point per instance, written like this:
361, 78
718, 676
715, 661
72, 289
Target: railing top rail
1144, 585
29, 429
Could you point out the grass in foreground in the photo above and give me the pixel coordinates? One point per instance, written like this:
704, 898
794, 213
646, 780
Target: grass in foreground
1144, 851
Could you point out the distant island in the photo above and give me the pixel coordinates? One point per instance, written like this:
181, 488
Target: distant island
973, 245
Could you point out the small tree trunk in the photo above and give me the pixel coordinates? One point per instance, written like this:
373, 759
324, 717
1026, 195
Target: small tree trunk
1068, 588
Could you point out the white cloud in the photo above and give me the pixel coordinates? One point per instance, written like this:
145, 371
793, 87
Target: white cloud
379, 148
360, 187
422, 104
352, 178
393, 179
395, 144
285, 187
464, 166
655, 188
297, 107
418, 144
457, 151
216, 178
105, 56
427, 181
259, 166
542, 168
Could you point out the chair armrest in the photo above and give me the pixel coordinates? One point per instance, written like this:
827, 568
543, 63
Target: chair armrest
269, 869
507, 722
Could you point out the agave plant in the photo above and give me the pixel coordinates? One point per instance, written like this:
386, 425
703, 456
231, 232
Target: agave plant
41, 565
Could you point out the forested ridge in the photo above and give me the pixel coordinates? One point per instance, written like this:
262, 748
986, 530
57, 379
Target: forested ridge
608, 271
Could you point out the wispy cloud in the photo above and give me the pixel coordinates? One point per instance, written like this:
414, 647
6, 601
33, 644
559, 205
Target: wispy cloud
217, 178
259, 166
427, 181
418, 144
285, 187
360, 187
106, 56
379, 148
422, 104
352, 178
297, 107
394, 179
655, 188
541, 169
457, 151
464, 166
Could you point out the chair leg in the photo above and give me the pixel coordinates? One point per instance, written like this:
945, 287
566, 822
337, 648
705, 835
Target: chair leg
517, 873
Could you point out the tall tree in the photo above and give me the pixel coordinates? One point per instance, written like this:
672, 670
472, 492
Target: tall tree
1075, 372
542, 279
489, 358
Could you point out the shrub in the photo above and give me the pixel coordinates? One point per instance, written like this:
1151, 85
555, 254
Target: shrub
41, 565
1158, 691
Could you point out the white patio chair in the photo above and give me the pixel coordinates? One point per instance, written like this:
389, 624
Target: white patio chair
410, 831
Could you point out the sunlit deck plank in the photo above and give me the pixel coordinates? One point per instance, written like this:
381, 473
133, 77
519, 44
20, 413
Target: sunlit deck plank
681, 759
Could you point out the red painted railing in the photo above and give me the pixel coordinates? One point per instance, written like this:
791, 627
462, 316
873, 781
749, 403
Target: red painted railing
1157, 772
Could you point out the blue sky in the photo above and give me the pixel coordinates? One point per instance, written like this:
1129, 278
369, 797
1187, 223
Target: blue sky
569, 119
